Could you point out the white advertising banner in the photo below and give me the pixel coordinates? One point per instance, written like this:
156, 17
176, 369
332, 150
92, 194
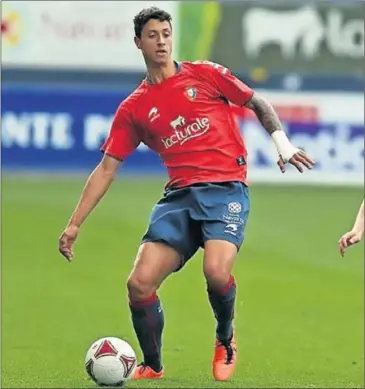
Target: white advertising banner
74, 34
329, 126
347, 107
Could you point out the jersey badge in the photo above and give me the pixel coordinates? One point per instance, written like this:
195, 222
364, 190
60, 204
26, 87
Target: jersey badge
190, 93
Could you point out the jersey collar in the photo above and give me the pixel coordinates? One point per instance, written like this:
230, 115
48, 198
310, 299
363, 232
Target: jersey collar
178, 68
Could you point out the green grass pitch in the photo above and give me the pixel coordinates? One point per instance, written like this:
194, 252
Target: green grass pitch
299, 315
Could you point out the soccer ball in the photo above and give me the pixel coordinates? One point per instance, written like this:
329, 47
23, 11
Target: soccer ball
110, 361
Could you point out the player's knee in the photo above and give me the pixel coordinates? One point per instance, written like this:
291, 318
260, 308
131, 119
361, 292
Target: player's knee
216, 275
140, 287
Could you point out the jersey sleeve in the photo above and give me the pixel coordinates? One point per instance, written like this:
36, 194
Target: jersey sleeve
123, 137
227, 85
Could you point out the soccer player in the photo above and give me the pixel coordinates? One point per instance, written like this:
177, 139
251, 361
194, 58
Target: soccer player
182, 112
355, 235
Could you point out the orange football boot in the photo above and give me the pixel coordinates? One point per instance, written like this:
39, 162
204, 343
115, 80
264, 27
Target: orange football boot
225, 359
144, 372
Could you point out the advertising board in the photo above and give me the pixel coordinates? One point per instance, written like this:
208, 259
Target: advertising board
73, 34
62, 129
310, 38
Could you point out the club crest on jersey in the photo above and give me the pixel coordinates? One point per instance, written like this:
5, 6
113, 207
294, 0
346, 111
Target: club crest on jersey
190, 93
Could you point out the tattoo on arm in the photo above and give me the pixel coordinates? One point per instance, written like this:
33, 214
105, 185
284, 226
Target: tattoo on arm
265, 113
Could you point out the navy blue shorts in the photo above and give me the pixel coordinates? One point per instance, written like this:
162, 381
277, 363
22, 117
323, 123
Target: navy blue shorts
187, 217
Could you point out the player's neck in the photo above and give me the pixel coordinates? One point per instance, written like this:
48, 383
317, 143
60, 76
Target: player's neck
158, 74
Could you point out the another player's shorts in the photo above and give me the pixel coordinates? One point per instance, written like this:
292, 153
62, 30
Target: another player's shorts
186, 218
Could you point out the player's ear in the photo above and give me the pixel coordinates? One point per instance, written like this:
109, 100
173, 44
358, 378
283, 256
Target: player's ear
137, 42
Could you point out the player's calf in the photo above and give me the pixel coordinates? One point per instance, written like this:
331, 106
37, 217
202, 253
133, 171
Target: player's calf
148, 323
154, 262
222, 301
218, 263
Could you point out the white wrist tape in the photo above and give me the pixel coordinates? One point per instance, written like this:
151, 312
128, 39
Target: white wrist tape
283, 145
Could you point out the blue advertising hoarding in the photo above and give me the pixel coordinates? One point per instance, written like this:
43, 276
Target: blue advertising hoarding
49, 129
53, 128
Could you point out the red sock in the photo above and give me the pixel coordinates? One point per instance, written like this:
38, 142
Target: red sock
142, 303
224, 290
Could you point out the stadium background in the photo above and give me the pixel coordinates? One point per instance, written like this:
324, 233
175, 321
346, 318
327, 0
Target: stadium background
65, 68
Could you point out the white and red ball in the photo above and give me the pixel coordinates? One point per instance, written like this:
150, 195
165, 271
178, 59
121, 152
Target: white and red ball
110, 361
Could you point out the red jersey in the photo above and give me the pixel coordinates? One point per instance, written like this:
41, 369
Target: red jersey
188, 121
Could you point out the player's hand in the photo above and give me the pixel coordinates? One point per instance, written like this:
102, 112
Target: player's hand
66, 241
348, 239
300, 160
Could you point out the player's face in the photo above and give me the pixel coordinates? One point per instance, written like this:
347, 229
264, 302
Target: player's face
156, 42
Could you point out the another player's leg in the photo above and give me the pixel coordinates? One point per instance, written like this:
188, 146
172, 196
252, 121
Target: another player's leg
154, 262
219, 257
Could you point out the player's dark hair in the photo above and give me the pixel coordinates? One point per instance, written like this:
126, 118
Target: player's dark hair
147, 14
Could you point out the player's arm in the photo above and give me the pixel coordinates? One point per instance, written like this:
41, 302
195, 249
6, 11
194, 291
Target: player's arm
355, 235
121, 142
95, 188
269, 119
238, 93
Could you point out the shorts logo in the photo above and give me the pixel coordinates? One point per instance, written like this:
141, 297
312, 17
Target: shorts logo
234, 207
231, 229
